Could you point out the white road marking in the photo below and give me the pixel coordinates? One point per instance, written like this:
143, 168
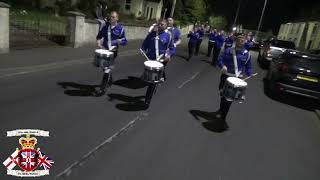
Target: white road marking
107, 141
190, 79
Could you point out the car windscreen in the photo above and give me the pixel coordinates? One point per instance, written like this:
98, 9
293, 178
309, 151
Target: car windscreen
283, 44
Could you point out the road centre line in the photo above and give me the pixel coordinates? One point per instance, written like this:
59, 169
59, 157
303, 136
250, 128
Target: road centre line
83, 159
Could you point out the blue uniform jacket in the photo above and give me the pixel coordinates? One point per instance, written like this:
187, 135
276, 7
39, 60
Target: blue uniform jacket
243, 59
176, 34
166, 46
201, 33
219, 41
212, 36
249, 44
229, 41
194, 36
117, 32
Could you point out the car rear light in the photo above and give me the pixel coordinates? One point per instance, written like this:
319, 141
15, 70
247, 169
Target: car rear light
269, 53
283, 67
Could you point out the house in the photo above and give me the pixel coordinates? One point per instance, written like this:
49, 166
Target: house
149, 9
306, 35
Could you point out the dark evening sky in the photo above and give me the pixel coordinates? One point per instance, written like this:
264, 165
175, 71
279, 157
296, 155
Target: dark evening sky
277, 11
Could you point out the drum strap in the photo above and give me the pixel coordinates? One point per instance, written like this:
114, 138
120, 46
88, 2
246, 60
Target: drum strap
157, 45
109, 37
235, 62
172, 32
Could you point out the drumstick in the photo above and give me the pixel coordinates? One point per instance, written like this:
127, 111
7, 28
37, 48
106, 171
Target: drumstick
159, 59
144, 54
250, 76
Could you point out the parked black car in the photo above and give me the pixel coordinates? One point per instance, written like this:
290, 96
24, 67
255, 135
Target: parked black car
295, 72
272, 49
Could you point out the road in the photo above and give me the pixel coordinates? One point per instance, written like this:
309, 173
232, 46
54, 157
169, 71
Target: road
114, 137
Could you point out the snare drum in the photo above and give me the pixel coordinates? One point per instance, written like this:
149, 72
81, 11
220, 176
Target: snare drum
103, 58
153, 71
234, 89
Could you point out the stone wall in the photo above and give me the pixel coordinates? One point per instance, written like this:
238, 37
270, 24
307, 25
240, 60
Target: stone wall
4, 28
91, 27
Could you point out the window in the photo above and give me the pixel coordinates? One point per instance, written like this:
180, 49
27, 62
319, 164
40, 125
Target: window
151, 11
315, 27
128, 5
298, 29
291, 29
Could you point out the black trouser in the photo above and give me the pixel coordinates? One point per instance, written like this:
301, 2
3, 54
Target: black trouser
224, 104
210, 47
191, 48
216, 52
198, 46
107, 77
152, 87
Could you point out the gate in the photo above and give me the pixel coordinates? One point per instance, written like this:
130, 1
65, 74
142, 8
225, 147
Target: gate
29, 31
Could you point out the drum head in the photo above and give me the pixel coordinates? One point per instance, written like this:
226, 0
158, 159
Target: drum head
153, 64
237, 82
104, 52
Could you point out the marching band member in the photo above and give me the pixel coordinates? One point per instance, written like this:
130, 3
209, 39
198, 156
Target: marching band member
217, 48
175, 32
249, 41
158, 43
227, 65
229, 41
193, 40
109, 38
201, 34
212, 41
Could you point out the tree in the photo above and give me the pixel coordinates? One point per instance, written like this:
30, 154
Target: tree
195, 10
219, 22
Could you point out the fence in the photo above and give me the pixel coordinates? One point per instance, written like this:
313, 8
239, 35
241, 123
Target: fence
33, 31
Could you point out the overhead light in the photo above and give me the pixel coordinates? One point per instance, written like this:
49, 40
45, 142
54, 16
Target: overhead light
304, 56
234, 28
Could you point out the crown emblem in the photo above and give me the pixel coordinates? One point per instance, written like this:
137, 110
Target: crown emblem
27, 142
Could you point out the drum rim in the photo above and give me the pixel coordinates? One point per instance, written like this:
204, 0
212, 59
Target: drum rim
243, 83
102, 52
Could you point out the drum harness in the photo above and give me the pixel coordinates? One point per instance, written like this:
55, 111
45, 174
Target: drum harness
108, 69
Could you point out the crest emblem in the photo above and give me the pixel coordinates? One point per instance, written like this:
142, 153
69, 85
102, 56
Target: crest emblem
28, 159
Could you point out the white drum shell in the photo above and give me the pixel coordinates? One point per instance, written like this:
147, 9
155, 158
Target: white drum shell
103, 58
153, 71
234, 89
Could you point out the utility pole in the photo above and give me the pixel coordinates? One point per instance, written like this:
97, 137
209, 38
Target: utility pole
237, 13
164, 14
173, 7
261, 17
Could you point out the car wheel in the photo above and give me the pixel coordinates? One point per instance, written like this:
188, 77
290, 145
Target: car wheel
270, 85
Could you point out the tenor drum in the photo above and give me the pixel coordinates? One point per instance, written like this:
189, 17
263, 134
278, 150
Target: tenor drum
153, 71
103, 58
234, 89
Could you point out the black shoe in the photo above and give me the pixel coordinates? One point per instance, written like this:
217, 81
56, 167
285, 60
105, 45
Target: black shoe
99, 93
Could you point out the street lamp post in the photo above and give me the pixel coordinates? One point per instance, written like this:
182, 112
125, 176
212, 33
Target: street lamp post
173, 7
237, 13
261, 17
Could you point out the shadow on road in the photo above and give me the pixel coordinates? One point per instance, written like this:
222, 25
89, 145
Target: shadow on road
130, 103
291, 99
212, 123
131, 83
207, 61
182, 57
77, 89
